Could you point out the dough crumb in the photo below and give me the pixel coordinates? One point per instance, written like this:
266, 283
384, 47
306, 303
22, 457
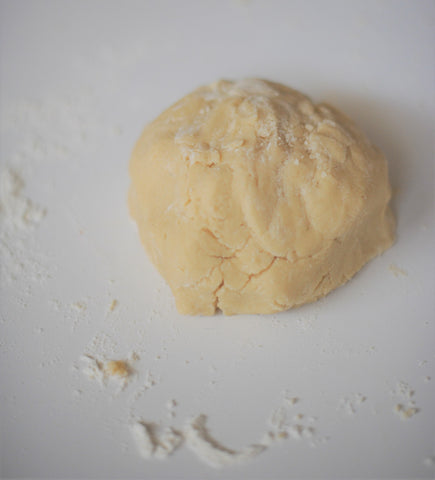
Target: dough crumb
406, 408
113, 305
117, 368
291, 400
396, 271
405, 412
79, 306
102, 371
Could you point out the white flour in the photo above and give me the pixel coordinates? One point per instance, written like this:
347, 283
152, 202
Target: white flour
171, 406
210, 451
19, 216
17, 212
350, 404
196, 436
152, 445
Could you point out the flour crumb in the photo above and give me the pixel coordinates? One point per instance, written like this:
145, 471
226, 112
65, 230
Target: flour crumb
404, 390
150, 381
55, 304
278, 418
406, 408
93, 369
405, 412
133, 357
170, 406
296, 431
427, 379
396, 271
152, 445
79, 306
301, 427
281, 435
291, 400
350, 404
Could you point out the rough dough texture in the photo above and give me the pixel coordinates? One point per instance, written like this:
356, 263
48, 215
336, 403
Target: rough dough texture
249, 198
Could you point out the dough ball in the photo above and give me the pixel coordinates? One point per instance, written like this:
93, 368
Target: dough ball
249, 198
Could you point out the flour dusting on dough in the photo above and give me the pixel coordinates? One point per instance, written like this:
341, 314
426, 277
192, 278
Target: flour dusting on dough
269, 201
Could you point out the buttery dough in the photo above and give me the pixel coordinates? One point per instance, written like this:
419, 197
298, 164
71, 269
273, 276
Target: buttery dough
249, 198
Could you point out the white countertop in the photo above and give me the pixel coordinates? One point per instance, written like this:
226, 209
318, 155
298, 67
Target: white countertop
78, 82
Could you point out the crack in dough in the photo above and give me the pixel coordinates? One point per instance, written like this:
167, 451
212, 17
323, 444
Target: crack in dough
252, 199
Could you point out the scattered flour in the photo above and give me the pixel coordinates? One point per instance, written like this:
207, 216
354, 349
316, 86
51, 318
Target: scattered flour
151, 381
196, 437
405, 412
19, 216
93, 369
301, 427
152, 445
278, 419
406, 408
291, 400
349, 405
299, 431
17, 212
170, 406
79, 306
404, 390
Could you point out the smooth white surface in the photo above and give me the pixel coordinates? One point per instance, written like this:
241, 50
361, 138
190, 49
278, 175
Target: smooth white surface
78, 81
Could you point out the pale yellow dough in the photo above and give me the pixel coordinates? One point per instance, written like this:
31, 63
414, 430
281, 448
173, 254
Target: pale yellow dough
249, 198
